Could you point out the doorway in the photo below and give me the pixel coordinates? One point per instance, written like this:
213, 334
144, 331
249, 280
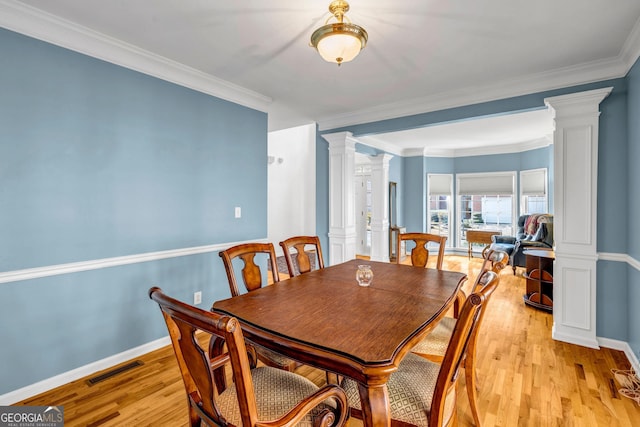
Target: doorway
363, 212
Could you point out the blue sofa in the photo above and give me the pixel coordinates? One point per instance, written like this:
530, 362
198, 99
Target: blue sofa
536, 233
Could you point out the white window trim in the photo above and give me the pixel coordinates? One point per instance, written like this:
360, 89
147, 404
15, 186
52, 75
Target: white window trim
511, 174
450, 214
546, 187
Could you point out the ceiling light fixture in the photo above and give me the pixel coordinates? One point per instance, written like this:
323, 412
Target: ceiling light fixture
339, 41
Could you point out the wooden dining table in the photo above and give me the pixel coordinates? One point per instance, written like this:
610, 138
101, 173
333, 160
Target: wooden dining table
325, 319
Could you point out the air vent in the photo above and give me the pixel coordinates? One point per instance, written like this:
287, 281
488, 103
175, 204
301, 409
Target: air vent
114, 372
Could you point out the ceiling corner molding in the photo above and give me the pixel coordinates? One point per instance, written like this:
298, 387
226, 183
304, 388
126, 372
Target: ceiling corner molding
516, 147
560, 78
372, 141
433, 152
49, 28
631, 50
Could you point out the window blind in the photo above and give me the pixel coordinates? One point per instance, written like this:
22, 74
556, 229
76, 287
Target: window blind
533, 182
486, 184
440, 185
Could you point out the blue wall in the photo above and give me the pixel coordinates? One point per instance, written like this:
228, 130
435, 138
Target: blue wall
633, 192
619, 150
98, 161
414, 189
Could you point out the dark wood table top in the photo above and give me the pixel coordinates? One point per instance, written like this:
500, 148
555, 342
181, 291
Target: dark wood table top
540, 253
325, 319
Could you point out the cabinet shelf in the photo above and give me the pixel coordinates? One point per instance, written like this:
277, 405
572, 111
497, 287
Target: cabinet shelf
547, 282
539, 276
546, 304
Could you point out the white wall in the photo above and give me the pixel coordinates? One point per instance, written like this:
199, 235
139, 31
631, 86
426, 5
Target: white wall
292, 183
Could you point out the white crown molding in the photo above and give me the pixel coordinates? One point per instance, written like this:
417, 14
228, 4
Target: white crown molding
430, 152
557, 79
75, 267
631, 48
372, 141
38, 24
516, 147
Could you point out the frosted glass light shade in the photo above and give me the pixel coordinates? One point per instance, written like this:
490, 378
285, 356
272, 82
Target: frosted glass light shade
340, 42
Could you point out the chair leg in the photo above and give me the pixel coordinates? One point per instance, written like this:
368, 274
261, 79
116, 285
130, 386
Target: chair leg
472, 390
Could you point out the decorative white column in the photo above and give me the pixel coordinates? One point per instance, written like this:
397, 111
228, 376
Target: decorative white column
575, 223
380, 207
342, 214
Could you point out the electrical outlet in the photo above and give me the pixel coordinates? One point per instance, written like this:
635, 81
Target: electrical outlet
197, 297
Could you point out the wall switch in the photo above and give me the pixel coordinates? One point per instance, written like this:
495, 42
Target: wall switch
197, 297
238, 212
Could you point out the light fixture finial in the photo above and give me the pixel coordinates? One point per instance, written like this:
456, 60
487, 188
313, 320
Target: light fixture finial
340, 41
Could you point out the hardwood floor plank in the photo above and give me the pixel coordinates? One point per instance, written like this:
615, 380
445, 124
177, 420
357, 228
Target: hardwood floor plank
525, 378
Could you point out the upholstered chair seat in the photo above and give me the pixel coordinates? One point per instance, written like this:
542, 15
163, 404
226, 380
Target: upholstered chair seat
410, 400
277, 392
438, 339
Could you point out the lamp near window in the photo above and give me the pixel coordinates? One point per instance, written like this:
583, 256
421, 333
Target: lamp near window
339, 41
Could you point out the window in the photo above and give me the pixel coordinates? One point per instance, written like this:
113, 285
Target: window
485, 201
439, 205
533, 191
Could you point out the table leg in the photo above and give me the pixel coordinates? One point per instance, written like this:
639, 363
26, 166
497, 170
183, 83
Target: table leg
374, 400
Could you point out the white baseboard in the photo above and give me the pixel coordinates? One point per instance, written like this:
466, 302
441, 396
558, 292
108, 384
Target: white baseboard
622, 346
81, 372
84, 371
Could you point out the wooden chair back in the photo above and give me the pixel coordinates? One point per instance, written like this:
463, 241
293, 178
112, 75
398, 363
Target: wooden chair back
459, 345
195, 364
197, 369
252, 277
301, 244
495, 261
420, 253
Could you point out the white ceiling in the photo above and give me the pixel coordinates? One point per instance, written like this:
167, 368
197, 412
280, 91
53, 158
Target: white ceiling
423, 55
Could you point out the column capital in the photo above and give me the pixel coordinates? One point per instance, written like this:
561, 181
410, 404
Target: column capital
340, 139
577, 104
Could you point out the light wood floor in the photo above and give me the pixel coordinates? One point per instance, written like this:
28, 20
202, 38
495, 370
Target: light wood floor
525, 377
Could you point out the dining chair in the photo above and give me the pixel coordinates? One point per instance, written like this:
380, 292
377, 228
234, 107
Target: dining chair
422, 392
300, 262
252, 279
420, 253
257, 396
434, 345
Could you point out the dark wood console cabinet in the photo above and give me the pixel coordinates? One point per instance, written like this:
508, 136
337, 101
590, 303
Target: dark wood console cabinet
539, 276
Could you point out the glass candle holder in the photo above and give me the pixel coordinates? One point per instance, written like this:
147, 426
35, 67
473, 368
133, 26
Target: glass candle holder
364, 275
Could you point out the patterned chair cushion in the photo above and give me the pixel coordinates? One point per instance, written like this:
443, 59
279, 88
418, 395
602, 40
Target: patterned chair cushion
277, 391
274, 357
437, 341
411, 390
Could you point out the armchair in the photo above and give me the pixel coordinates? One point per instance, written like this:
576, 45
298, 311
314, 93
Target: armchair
534, 231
